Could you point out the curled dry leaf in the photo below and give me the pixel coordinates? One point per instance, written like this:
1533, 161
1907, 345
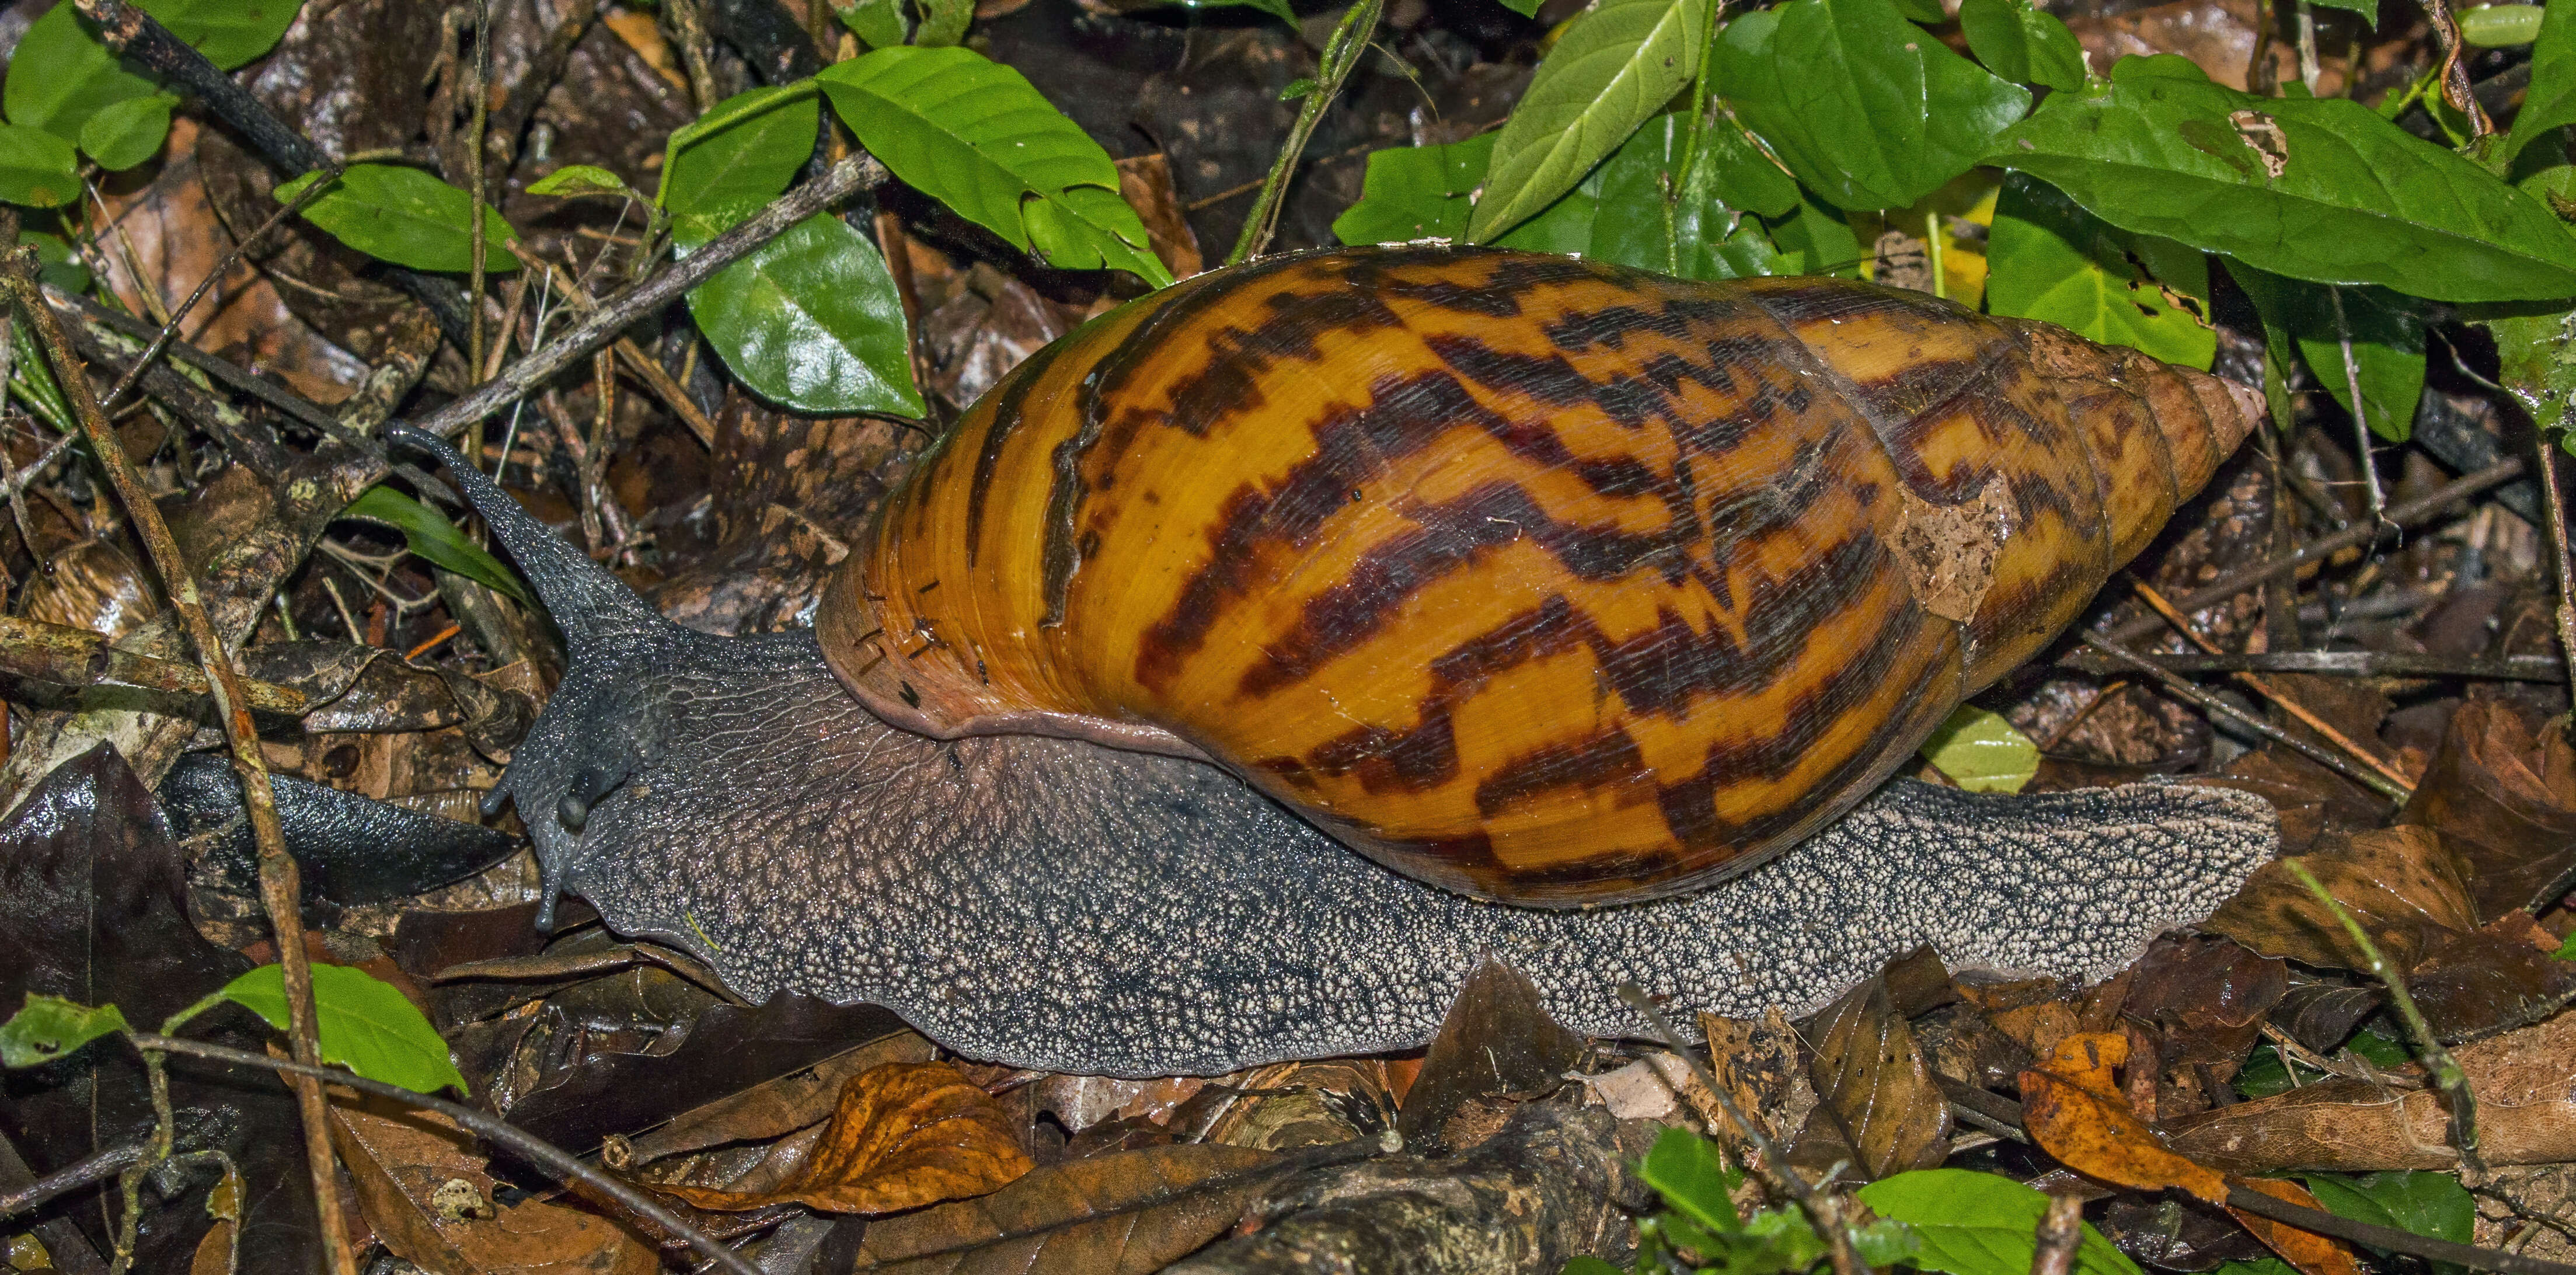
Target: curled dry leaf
1126, 1213
1874, 1091
904, 1135
2073, 1107
2503, 788
2405, 885
2312, 1253
2526, 1087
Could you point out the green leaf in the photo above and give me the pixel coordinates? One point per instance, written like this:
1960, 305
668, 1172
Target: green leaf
61, 75
2549, 103
1740, 175
63, 268
573, 181
362, 1023
2368, 9
2501, 26
1982, 752
943, 22
2048, 259
1562, 227
1928, 12
430, 535
2566, 951
37, 168
1416, 192
124, 134
1608, 73
1862, 106
811, 321
1694, 1179
736, 158
1588, 1266
976, 136
2021, 43
2318, 189
404, 216
1818, 239
1980, 1224
2419, 1202
879, 24
2385, 333
50, 1027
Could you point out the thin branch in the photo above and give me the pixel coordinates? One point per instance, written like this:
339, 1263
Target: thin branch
280, 890
2438, 1062
646, 368
72, 1177
526, 1145
477, 180
2512, 668
2238, 581
621, 310
170, 330
2061, 1229
2213, 704
2352, 386
61, 655
1342, 53
2555, 502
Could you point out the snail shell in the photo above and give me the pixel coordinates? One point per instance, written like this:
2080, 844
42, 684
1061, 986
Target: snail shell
1534, 578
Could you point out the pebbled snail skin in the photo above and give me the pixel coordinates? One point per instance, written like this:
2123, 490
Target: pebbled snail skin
1732, 602
1536, 579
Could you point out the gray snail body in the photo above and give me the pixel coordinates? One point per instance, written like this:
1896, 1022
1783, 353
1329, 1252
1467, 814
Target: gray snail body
1105, 891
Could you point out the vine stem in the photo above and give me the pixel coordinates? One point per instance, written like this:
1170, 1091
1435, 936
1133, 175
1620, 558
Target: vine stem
535, 1149
280, 888
2447, 1072
1342, 52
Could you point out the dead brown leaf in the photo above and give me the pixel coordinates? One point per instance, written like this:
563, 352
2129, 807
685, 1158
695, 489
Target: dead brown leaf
1126, 1213
2312, 1253
1496, 1040
2503, 787
1873, 1087
2405, 885
2074, 1109
904, 1135
429, 1198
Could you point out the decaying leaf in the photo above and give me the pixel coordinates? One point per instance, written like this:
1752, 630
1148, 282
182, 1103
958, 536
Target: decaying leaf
904, 1135
2312, 1253
2074, 1109
2504, 786
1126, 1213
2405, 885
774, 1108
1874, 1092
429, 1198
1758, 1064
1497, 1040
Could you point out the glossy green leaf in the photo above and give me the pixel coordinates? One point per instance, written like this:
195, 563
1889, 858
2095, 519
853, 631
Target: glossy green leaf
429, 534
1706, 232
124, 134
63, 268
404, 216
2318, 189
37, 169
1982, 752
61, 75
1610, 71
1693, 1178
1927, 12
2383, 331
1588, 1265
2550, 102
879, 24
1980, 1223
811, 322
2419, 1202
1818, 239
737, 157
943, 22
2021, 43
1740, 175
2048, 259
1863, 107
362, 1023
2500, 26
573, 181
1416, 192
48, 1027
975, 135
1562, 227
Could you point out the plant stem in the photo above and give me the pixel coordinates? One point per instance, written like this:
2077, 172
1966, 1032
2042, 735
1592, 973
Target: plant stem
2446, 1071
475, 181
280, 889
1342, 53
536, 1150
2554, 504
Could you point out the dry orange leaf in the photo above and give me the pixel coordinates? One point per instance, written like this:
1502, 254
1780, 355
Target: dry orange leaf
2073, 1106
2312, 1253
904, 1135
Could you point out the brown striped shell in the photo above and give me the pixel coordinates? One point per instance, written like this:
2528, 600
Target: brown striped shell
1535, 578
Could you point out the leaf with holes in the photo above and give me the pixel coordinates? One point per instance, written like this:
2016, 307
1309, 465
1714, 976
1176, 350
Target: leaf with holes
48, 1027
811, 322
2316, 189
1863, 107
975, 135
404, 216
2049, 259
1610, 72
363, 1024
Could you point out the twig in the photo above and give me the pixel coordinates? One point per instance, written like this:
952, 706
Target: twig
2352, 385
2061, 1229
2267, 730
2555, 502
97, 1168
634, 302
691, 28
2456, 89
2238, 581
170, 329
645, 367
1342, 53
65, 656
1774, 1168
481, 119
2307, 28
528, 1146
2445, 1070
280, 889
230, 373
2390, 1238
2265, 689
2512, 668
